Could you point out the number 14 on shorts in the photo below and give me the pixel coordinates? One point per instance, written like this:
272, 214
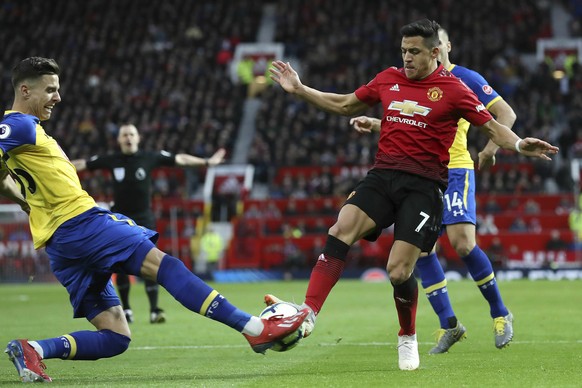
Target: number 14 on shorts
455, 205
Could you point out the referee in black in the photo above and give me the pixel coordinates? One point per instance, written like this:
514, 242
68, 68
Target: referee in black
132, 191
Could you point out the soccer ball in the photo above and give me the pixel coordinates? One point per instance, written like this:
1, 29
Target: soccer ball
286, 310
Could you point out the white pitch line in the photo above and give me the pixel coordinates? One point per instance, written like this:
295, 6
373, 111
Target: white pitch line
335, 344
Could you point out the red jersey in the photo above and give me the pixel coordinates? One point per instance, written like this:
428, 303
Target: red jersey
420, 119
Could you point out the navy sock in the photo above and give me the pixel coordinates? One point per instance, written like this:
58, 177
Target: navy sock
198, 296
434, 283
85, 345
481, 271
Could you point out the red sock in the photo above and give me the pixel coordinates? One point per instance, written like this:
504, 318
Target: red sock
406, 300
324, 276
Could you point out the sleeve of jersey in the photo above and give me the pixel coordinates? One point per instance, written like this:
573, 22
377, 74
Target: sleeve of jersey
96, 162
16, 130
479, 85
368, 93
165, 158
470, 108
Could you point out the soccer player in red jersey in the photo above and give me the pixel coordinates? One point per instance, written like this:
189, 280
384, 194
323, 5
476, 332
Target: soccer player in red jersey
422, 103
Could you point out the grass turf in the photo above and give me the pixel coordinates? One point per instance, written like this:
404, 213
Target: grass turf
354, 343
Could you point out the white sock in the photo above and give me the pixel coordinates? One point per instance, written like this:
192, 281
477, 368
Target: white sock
254, 327
37, 347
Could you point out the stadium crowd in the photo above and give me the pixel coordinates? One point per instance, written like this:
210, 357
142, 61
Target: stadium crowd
165, 69
339, 45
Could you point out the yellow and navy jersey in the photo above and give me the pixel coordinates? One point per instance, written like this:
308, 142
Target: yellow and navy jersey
459, 155
47, 179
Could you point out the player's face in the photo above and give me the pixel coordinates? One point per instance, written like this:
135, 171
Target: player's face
128, 139
41, 95
419, 60
444, 47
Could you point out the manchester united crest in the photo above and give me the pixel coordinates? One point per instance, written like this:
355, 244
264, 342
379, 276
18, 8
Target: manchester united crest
434, 94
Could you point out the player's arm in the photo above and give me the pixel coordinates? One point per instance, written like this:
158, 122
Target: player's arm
186, 160
10, 190
343, 104
507, 139
365, 124
505, 115
80, 164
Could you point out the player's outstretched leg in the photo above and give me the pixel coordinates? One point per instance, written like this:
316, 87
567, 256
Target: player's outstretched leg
434, 283
197, 296
481, 271
309, 323
27, 361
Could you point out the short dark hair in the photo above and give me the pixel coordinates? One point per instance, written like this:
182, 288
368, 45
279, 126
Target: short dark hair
33, 68
428, 29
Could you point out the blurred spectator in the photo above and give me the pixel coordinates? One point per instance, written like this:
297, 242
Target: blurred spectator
531, 207
497, 254
518, 225
575, 220
291, 209
293, 258
556, 243
189, 228
253, 212
225, 198
491, 206
328, 208
291, 231
564, 207
211, 251
319, 227
272, 211
534, 225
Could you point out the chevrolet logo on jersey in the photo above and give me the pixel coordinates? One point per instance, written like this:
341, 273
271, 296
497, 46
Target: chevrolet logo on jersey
409, 108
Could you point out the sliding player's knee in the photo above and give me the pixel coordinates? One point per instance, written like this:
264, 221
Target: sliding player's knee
116, 343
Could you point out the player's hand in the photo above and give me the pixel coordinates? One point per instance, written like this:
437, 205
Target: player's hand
217, 158
530, 146
362, 124
284, 75
486, 160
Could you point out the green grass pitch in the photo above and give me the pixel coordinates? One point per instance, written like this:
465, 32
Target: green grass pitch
353, 345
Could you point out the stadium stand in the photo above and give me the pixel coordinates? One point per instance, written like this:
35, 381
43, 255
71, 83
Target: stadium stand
166, 69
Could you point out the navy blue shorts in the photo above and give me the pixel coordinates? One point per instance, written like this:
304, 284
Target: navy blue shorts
459, 199
85, 250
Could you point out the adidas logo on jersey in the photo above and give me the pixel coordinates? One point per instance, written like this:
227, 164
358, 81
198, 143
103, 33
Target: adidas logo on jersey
395, 88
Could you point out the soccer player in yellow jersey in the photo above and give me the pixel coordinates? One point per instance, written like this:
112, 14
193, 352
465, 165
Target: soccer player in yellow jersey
460, 216
86, 243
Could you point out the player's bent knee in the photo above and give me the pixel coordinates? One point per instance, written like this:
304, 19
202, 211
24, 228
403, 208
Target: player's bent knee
398, 275
463, 248
116, 343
